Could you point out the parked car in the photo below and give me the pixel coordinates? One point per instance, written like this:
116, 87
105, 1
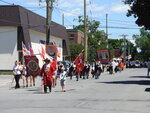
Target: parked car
137, 65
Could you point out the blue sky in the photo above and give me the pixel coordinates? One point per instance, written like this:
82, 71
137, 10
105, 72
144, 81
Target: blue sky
96, 10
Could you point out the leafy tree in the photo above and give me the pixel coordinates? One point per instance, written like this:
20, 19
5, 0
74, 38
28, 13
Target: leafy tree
140, 9
117, 44
96, 37
75, 50
143, 43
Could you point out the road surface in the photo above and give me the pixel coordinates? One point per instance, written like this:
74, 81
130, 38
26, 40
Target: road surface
118, 93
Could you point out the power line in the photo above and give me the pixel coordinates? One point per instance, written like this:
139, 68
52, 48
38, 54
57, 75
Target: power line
7, 2
118, 27
58, 11
68, 11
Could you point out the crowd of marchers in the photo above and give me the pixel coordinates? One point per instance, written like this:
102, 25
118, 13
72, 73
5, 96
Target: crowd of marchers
62, 72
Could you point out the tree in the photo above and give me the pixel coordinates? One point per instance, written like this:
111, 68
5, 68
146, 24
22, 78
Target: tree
140, 9
143, 43
96, 37
75, 50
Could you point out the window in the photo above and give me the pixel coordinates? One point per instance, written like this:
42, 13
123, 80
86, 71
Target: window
72, 36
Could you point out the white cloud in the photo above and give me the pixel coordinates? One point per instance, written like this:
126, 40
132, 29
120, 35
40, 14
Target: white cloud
73, 12
95, 8
66, 5
119, 8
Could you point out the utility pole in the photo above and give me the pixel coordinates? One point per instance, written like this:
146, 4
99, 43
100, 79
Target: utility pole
63, 20
107, 31
85, 33
124, 46
49, 6
129, 49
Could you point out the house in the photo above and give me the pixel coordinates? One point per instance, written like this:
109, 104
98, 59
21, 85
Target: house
75, 36
18, 25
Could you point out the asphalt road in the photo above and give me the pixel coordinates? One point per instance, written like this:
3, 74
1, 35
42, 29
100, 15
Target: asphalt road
118, 93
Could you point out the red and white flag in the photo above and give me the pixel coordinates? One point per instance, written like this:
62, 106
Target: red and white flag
79, 63
25, 50
31, 50
42, 53
53, 62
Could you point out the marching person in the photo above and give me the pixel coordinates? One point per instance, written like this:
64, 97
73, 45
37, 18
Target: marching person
63, 79
121, 66
98, 69
93, 68
148, 67
17, 74
54, 79
85, 69
47, 78
71, 70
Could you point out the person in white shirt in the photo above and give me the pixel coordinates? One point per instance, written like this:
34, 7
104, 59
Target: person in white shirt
17, 74
113, 65
63, 79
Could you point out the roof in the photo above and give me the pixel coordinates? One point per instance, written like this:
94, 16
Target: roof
15, 15
74, 30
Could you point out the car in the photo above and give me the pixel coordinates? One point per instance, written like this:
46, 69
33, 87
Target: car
137, 64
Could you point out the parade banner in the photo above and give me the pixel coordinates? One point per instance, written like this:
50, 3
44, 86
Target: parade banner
51, 51
117, 53
79, 63
103, 56
32, 65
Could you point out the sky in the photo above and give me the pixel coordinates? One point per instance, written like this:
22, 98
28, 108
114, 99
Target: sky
118, 22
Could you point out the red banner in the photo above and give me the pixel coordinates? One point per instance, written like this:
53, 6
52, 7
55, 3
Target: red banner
117, 53
103, 56
32, 65
79, 63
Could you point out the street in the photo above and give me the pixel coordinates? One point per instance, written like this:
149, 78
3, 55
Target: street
118, 93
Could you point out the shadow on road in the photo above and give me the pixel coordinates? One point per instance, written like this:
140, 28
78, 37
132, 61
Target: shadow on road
139, 77
147, 89
138, 82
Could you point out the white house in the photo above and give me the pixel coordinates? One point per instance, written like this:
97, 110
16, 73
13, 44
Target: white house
18, 25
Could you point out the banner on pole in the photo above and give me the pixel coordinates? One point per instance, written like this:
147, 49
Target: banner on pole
79, 61
103, 56
32, 65
117, 53
51, 51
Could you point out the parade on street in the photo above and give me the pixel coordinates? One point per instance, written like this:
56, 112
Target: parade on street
122, 92
75, 56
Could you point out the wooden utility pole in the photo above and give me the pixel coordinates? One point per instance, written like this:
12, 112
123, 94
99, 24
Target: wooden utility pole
124, 46
85, 33
48, 19
63, 20
107, 31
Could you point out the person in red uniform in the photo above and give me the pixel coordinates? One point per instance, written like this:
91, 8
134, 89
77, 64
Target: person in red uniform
47, 77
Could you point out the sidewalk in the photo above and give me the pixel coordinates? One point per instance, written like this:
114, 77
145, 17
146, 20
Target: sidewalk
5, 79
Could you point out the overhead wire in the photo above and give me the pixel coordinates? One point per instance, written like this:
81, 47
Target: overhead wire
58, 11
6, 2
